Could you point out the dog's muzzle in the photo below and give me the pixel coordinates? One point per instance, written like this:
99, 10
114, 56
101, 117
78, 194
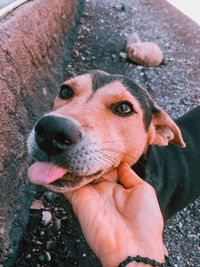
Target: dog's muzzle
54, 134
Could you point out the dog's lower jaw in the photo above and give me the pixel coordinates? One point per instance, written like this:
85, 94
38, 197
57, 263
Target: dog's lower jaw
110, 176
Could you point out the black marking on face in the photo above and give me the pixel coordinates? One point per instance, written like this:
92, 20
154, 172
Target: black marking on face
100, 79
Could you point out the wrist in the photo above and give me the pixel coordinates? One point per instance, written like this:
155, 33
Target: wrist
151, 248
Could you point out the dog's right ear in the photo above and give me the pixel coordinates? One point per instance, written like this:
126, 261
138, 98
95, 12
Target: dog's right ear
163, 130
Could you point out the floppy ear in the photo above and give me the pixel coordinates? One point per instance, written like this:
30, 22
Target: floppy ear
163, 130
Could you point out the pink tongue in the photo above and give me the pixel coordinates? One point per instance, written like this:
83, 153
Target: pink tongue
45, 172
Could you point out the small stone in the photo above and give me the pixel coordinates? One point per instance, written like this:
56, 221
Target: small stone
58, 224
50, 196
180, 225
64, 218
119, 7
44, 91
28, 256
42, 257
48, 256
49, 244
84, 255
38, 243
37, 205
46, 218
123, 55
75, 52
144, 53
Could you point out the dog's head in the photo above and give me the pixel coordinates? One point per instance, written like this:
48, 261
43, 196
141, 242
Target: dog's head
98, 121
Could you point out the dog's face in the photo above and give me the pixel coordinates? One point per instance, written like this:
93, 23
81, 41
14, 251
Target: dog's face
98, 121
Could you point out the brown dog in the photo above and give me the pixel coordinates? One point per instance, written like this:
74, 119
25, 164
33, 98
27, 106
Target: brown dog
98, 121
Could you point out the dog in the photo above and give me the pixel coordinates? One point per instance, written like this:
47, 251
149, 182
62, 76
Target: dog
100, 120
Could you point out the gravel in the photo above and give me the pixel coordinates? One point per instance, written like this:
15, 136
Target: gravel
103, 29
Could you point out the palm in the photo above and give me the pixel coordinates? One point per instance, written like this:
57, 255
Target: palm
110, 215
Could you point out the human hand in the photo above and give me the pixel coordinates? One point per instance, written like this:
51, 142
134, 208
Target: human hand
120, 220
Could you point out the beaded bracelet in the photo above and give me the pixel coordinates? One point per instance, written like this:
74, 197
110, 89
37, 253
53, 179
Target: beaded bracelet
145, 260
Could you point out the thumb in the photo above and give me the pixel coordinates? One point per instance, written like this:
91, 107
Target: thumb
128, 177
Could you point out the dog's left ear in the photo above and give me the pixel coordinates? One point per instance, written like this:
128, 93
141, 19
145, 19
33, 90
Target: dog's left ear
163, 130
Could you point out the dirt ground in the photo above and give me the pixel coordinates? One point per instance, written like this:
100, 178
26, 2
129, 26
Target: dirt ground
103, 28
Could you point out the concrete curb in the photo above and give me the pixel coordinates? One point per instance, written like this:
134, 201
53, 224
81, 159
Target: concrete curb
35, 43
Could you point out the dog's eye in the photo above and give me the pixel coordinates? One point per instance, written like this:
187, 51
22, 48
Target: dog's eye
123, 108
66, 92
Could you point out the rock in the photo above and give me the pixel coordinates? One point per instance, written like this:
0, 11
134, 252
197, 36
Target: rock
48, 256
28, 256
50, 244
37, 205
180, 225
58, 224
123, 55
50, 196
42, 257
144, 53
46, 218
119, 7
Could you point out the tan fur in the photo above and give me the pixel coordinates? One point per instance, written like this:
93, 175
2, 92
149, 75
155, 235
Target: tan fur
122, 139
125, 134
107, 138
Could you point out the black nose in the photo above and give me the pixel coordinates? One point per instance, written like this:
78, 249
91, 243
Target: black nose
54, 134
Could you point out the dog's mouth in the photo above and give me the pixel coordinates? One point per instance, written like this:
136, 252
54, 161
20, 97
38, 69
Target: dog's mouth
58, 178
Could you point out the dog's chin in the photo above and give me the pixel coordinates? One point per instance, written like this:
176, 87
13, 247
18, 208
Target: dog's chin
70, 182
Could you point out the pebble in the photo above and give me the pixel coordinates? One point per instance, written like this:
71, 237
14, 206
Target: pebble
48, 256
119, 7
38, 242
28, 256
180, 225
58, 224
42, 257
46, 218
50, 196
123, 55
144, 53
49, 244
37, 205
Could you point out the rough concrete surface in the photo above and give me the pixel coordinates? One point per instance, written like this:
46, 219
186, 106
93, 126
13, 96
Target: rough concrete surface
34, 43
175, 87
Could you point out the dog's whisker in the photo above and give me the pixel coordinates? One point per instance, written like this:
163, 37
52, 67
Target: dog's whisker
99, 163
119, 151
117, 141
108, 161
109, 158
